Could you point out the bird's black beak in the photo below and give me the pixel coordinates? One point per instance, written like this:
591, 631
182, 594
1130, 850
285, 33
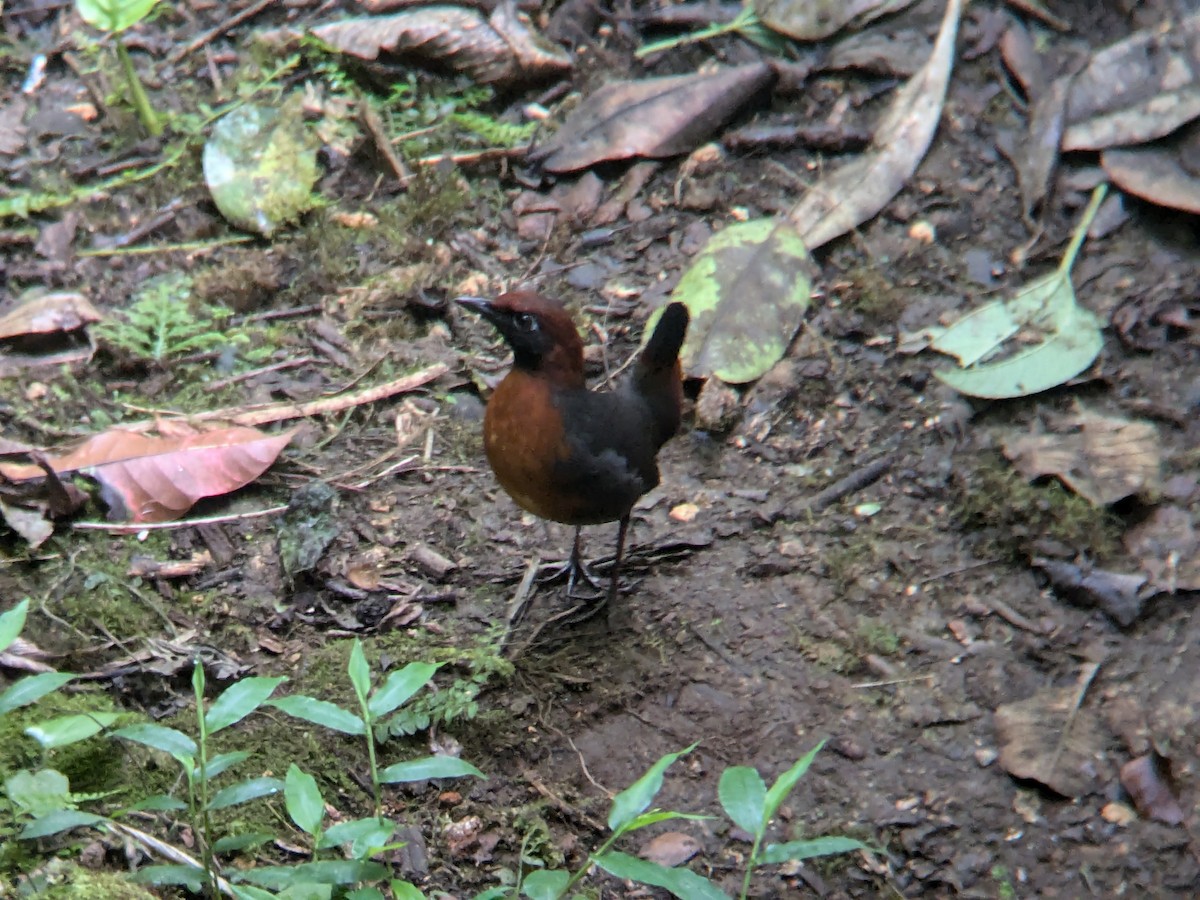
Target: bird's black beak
476, 304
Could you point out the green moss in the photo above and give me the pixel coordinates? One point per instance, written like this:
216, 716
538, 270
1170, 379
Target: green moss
876, 636
91, 766
64, 880
1011, 513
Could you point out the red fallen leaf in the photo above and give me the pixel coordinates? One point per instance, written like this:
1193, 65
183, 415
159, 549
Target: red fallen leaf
157, 479
1148, 781
48, 313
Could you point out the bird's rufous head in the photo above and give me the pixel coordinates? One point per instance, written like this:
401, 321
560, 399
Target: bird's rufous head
539, 331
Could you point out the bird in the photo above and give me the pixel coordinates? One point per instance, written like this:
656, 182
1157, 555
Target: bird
566, 453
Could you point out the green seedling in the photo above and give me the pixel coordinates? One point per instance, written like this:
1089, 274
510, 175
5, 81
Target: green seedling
115, 17
395, 690
751, 805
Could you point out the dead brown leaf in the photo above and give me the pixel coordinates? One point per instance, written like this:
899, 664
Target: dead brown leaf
1051, 740
651, 117
814, 20
856, 192
62, 311
1103, 459
1166, 172
1167, 546
670, 849
502, 49
144, 478
1148, 781
1138, 89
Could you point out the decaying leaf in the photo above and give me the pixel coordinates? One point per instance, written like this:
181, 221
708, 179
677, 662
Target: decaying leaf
1166, 172
31, 524
1167, 546
48, 313
502, 49
670, 849
1102, 458
854, 193
260, 165
747, 291
652, 117
1148, 781
156, 479
814, 20
1119, 595
1050, 739
1138, 89
1066, 337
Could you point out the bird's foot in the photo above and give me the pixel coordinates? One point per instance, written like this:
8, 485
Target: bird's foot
581, 583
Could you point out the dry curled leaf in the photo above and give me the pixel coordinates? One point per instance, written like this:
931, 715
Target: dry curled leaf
1103, 459
156, 479
854, 193
502, 49
651, 117
814, 20
1051, 740
1166, 172
59, 311
1138, 89
1148, 781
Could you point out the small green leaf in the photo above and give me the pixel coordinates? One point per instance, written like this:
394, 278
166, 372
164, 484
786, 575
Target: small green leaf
320, 712
361, 834
239, 700
802, 850
303, 800
31, 689
39, 793
113, 15
155, 803
244, 791
58, 821
545, 884
235, 843
743, 795
637, 798
661, 815
428, 767
784, 783
223, 762
191, 877
747, 292
249, 892
325, 872
157, 737
70, 729
359, 671
683, 883
406, 890
399, 686
11, 623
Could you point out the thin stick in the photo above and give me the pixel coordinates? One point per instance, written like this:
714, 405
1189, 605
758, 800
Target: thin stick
121, 528
213, 33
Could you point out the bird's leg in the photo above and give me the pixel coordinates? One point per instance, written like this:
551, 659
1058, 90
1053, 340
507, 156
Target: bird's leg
613, 584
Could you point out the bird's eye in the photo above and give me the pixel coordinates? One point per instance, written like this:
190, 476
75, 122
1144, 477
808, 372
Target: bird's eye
526, 322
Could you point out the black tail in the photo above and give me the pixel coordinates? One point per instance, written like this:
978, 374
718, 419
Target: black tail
662, 350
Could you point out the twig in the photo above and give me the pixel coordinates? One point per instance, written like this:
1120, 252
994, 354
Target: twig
123, 528
165, 850
518, 606
374, 125
280, 412
232, 22
855, 481
263, 370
